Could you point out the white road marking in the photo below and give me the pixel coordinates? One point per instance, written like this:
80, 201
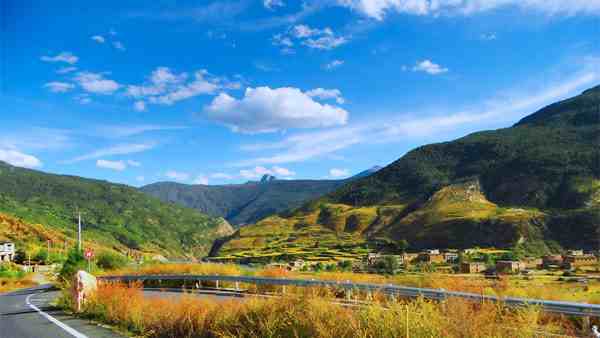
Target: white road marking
55, 321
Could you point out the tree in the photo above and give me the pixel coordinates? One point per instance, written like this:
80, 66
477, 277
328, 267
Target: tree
403, 245
110, 261
75, 262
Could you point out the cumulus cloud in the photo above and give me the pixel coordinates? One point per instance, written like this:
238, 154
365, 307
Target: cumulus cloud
165, 87
98, 38
429, 67
504, 109
66, 57
260, 171
271, 4
377, 9
324, 39
263, 109
65, 70
58, 87
333, 64
96, 83
338, 173
113, 165
326, 94
19, 159
177, 176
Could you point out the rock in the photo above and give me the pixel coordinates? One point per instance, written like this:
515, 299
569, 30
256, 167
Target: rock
84, 285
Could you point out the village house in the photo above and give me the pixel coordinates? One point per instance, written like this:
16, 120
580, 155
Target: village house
509, 266
296, 265
432, 256
552, 261
532, 263
574, 253
575, 261
450, 256
7, 251
472, 267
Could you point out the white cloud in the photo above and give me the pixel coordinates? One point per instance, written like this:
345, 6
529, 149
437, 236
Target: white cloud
117, 131
83, 99
497, 112
98, 38
165, 87
221, 176
337, 173
133, 163
96, 83
66, 57
59, 87
177, 176
325, 94
260, 171
488, 36
283, 172
121, 149
201, 180
315, 38
19, 159
119, 45
429, 67
65, 70
139, 106
377, 9
140, 178
113, 165
333, 64
271, 4
263, 109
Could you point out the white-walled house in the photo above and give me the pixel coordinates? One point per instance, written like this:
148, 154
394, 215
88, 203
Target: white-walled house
7, 251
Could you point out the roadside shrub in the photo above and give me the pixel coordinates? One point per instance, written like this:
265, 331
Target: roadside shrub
75, 262
111, 261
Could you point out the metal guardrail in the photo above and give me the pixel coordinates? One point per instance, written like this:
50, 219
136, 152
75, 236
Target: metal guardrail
567, 308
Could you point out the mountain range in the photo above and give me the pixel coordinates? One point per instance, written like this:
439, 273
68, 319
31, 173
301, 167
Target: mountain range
247, 203
39, 206
533, 186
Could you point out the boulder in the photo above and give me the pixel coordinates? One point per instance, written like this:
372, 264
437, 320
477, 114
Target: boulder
84, 285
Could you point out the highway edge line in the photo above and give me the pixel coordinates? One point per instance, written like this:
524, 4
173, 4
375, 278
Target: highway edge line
55, 321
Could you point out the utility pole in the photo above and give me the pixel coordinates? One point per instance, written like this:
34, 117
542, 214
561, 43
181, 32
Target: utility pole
79, 232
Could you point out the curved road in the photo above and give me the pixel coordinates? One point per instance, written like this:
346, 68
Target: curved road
27, 314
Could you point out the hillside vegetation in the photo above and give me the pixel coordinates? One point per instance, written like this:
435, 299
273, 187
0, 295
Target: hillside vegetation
247, 203
115, 216
536, 185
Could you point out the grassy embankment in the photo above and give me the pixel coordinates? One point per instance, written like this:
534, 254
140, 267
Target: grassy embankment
540, 287
310, 315
12, 278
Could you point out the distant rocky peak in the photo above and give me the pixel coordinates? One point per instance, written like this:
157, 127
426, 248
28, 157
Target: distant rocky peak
267, 178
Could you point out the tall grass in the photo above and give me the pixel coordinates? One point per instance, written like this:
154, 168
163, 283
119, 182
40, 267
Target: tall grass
306, 316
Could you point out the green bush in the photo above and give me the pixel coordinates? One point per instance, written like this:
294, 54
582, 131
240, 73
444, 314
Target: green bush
111, 261
75, 262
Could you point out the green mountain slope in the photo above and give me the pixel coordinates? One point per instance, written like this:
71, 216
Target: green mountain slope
114, 215
246, 203
536, 184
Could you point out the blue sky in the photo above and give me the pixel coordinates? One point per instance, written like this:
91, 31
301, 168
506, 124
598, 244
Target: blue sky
222, 92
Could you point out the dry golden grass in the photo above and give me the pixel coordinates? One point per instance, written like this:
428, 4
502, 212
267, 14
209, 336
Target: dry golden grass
197, 269
308, 316
11, 284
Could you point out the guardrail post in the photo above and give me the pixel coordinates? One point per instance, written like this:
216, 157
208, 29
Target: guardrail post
217, 282
237, 286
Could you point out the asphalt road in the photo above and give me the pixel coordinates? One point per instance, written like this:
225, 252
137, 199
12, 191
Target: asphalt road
27, 314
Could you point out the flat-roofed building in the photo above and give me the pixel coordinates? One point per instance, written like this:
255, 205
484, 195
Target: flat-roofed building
509, 266
574, 261
472, 267
7, 251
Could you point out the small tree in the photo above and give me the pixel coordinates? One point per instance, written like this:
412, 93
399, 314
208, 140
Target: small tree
75, 262
110, 261
403, 245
